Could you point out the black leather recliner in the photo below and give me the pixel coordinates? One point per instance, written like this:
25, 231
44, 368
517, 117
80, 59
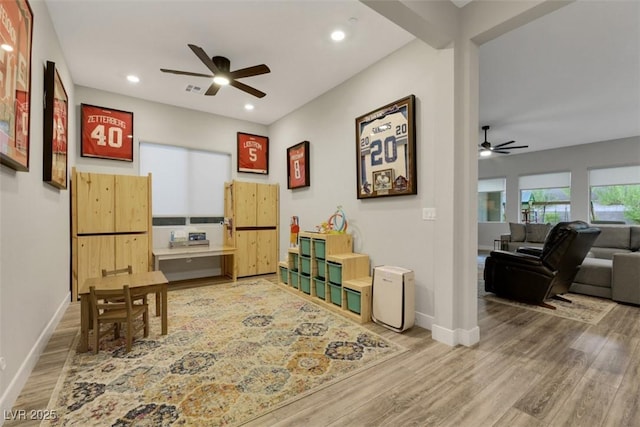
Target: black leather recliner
533, 275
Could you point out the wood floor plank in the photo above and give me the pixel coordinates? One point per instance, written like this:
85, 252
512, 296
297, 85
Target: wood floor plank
625, 408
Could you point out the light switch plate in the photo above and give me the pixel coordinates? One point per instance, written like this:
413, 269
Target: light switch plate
429, 214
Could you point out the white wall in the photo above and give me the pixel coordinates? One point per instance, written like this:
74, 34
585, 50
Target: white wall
34, 224
577, 160
390, 230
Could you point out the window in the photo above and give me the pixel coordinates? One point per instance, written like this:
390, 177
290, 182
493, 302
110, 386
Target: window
186, 183
545, 198
614, 195
491, 200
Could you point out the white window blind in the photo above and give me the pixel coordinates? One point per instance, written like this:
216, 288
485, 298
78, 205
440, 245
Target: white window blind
545, 180
624, 175
490, 185
185, 182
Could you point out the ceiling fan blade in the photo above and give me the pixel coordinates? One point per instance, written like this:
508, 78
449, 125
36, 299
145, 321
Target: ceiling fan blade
500, 151
250, 71
202, 55
503, 144
185, 73
246, 88
213, 89
517, 146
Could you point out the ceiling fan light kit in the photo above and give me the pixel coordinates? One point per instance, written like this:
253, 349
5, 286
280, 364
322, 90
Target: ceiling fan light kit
222, 75
486, 149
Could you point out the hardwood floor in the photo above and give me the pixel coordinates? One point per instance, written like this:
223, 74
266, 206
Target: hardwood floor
529, 369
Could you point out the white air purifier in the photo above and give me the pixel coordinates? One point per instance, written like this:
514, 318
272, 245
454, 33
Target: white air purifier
394, 290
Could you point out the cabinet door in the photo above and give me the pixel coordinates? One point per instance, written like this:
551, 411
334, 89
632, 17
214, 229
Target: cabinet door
244, 203
246, 252
94, 254
131, 203
266, 251
133, 250
266, 205
94, 203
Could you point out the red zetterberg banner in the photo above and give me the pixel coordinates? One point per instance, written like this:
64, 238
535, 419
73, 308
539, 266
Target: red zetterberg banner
107, 133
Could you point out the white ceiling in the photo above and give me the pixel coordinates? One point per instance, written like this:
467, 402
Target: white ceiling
570, 77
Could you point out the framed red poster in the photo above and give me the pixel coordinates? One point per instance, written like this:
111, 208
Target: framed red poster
15, 83
298, 165
106, 133
253, 153
56, 107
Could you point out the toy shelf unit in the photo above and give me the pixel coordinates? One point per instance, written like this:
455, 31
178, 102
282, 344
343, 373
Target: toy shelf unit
324, 269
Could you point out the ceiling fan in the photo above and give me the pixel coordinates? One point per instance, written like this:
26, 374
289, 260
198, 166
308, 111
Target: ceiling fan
222, 75
486, 148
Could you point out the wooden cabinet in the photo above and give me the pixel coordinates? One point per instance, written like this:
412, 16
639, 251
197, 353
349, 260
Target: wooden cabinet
110, 224
251, 226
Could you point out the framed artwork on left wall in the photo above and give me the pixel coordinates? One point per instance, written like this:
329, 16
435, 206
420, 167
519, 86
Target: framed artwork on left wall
15, 85
56, 113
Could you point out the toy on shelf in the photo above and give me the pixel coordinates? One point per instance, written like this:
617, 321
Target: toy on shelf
295, 230
336, 224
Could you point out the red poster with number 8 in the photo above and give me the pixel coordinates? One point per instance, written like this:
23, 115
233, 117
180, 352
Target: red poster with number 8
106, 133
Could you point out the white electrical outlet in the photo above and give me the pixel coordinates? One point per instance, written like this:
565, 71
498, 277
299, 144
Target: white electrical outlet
429, 214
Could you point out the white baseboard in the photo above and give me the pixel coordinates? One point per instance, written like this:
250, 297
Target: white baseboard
16, 384
457, 336
424, 320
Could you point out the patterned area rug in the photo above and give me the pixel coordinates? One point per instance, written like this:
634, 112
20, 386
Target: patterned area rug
582, 308
234, 352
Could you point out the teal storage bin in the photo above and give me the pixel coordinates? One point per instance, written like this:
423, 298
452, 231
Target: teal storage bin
305, 246
305, 284
293, 266
318, 248
294, 280
320, 287
353, 300
305, 265
336, 293
322, 268
335, 272
284, 276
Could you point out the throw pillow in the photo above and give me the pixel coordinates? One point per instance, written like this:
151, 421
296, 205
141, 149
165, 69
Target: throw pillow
537, 233
518, 232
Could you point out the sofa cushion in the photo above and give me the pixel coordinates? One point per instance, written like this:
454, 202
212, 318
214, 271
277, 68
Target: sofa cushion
595, 272
613, 236
536, 233
635, 238
518, 232
606, 253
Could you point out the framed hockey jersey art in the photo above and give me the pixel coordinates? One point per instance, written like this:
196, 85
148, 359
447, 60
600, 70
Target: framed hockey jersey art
386, 150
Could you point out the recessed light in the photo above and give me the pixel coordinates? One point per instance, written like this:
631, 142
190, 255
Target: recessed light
249, 107
337, 36
6, 47
133, 79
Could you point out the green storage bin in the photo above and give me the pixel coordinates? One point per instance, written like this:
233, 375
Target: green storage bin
320, 287
294, 280
305, 283
318, 248
353, 300
284, 276
322, 268
305, 246
336, 294
305, 265
335, 272
293, 266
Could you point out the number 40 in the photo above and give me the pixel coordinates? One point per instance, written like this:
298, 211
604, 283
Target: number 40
113, 137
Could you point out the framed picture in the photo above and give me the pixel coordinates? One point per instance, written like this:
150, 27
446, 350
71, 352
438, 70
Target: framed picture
15, 85
298, 165
56, 108
386, 150
106, 133
253, 153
